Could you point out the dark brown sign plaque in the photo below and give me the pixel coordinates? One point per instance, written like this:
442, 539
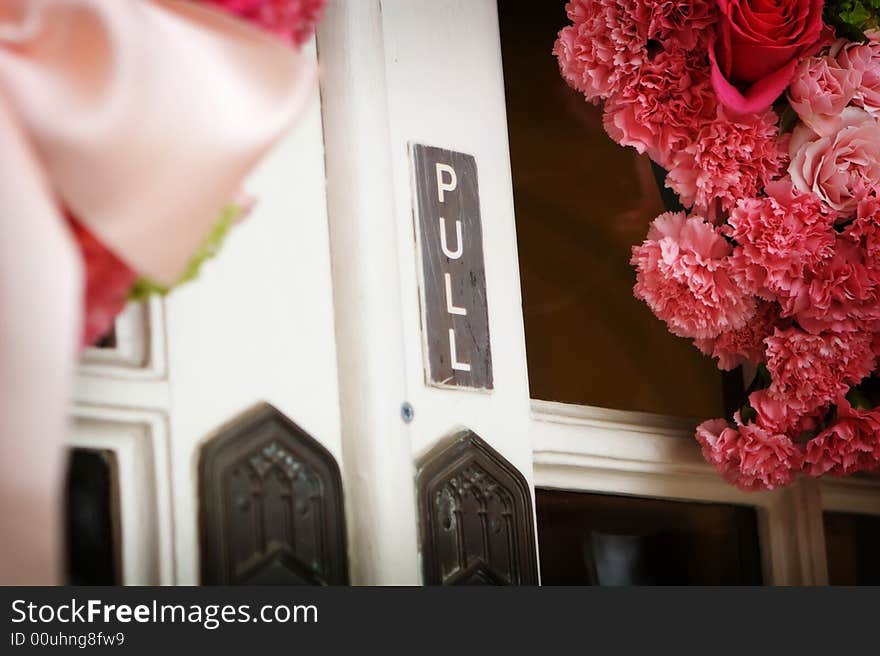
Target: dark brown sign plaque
455, 316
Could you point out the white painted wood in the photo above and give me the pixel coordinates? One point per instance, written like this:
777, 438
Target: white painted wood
793, 537
363, 227
256, 326
446, 88
139, 353
588, 449
398, 72
265, 322
578, 448
860, 495
139, 442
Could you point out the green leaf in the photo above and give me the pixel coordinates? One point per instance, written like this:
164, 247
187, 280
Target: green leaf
852, 18
858, 399
789, 120
211, 245
747, 413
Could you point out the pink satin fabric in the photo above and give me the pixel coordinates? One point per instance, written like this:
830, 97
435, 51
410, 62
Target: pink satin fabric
146, 115
142, 117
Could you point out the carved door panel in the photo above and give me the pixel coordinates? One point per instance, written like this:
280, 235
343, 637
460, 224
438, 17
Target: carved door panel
414, 108
257, 326
271, 505
476, 517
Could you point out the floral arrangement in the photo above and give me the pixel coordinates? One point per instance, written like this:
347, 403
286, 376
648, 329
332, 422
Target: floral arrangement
109, 282
766, 117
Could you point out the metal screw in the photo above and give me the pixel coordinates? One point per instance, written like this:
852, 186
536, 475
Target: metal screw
407, 412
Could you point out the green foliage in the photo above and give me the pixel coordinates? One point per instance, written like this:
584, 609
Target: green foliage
144, 287
851, 18
788, 118
858, 399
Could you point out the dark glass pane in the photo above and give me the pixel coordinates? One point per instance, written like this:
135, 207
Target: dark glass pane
853, 546
107, 341
92, 556
595, 539
581, 202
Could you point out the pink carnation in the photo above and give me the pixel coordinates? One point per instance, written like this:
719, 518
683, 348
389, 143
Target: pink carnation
662, 109
809, 371
865, 58
749, 456
842, 167
292, 20
729, 159
733, 348
843, 295
780, 239
848, 446
821, 89
784, 415
683, 275
603, 48
680, 23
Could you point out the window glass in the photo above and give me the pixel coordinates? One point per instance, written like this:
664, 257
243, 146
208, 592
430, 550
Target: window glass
92, 518
581, 203
852, 543
596, 539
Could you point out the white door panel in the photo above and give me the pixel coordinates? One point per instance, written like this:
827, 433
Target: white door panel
445, 89
256, 326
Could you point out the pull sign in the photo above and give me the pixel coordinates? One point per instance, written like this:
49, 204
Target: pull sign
455, 317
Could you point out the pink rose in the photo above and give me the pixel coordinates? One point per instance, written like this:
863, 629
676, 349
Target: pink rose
758, 45
821, 89
865, 58
840, 168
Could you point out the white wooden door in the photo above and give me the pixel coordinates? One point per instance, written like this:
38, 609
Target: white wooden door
403, 72
397, 73
314, 306
256, 327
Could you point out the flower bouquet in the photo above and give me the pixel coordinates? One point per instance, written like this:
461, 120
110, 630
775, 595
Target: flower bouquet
766, 117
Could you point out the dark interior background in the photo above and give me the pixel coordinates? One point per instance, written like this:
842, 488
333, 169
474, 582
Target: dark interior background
581, 203
601, 539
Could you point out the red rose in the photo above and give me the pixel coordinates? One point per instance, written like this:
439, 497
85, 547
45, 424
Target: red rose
107, 282
757, 47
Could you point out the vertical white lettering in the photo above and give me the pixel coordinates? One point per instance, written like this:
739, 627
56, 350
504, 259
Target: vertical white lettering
445, 186
450, 308
453, 356
459, 243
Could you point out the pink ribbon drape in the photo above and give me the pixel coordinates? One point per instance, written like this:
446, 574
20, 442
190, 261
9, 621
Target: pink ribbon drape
141, 117
145, 116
